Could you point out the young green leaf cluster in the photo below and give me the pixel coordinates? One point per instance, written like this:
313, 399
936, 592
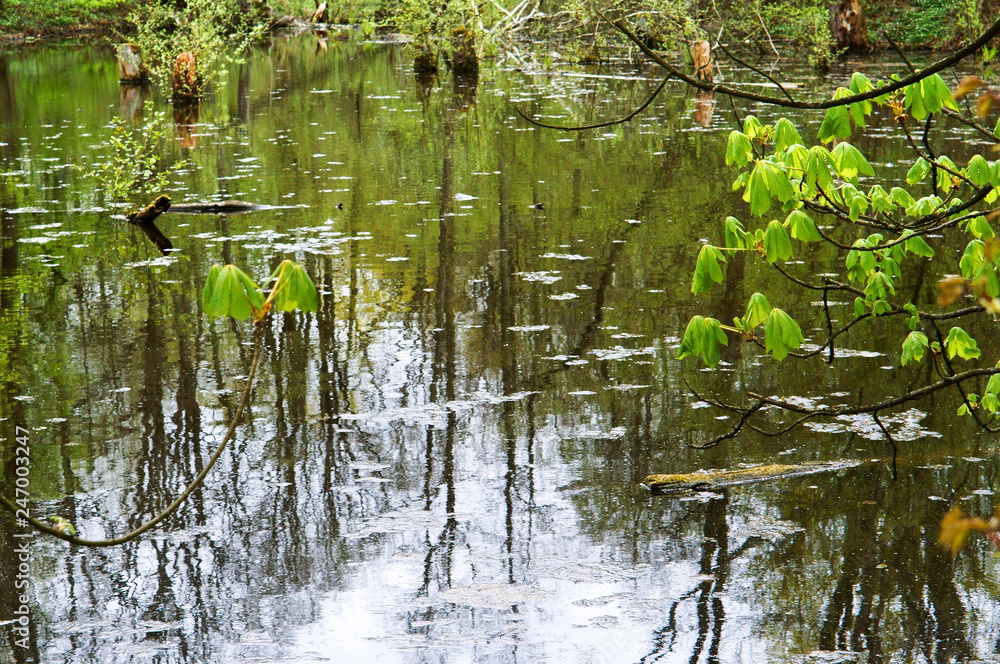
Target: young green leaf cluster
229, 291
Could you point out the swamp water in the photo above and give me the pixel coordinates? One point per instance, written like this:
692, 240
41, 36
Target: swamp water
443, 463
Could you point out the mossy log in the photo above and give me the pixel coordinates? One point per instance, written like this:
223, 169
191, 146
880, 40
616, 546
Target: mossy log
144, 221
709, 480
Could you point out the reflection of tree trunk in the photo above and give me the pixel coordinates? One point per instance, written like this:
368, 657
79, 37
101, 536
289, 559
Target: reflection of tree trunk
14, 421
715, 562
860, 545
950, 630
443, 373
153, 484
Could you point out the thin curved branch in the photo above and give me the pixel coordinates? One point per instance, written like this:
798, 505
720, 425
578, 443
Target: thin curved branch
754, 69
912, 395
656, 92
938, 66
72, 539
733, 433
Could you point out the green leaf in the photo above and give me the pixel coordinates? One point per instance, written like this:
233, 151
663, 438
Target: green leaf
229, 291
918, 171
777, 180
993, 386
915, 244
859, 307
915, 346
980, 228
707, 269
758, 309
802, 227
735, 234
701, 339
880, 200
756, 192
739, 152
860, 84
819, 168
292, 288
781, 334
901, 197
924, 206
753, 128
944, 177
850, 162
960, 343
928, 96
776, 242
785, 135
979, 171
836, 124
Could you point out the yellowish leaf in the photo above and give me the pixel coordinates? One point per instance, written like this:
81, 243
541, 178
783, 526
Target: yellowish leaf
967, 85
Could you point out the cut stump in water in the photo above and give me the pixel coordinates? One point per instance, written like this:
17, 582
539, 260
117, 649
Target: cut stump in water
464, 60
185, 78
131, 71
702, 53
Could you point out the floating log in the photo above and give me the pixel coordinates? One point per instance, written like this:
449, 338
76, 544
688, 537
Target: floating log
702, 53
185, 78
144, 220
711, 480
131, 70
222, 207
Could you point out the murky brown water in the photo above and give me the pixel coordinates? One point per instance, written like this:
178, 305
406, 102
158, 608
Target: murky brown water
442, 464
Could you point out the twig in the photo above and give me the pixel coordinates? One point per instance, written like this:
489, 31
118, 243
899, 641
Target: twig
72, 539
599, 124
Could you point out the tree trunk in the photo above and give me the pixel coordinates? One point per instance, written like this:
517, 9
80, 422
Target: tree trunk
185, 78
130, 67
702, 53
847, 26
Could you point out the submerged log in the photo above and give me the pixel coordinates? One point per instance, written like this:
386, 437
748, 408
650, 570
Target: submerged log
185, 78
131, 70
144, 220
702, 54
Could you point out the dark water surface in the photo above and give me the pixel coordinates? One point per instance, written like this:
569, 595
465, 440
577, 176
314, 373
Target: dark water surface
442, 464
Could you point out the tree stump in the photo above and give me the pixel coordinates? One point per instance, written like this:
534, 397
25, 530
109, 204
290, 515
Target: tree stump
425, 59
319, 16
185, 78
464, 60
847, 25
130, 67
702, 53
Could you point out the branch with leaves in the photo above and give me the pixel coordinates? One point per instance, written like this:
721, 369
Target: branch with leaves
228, 292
